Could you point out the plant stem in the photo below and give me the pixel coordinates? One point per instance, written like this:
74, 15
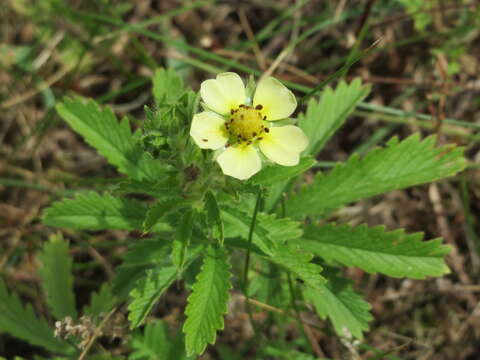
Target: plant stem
247, 258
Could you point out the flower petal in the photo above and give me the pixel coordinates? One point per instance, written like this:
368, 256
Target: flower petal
240, 162
223, 93
284, 144
208, 130
277, 101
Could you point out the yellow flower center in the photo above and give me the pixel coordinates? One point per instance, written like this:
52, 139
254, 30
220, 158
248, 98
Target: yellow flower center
246, 124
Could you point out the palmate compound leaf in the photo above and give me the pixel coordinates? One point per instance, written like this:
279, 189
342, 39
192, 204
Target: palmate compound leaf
151, 286
207, 304
57, 280
345, 308
323, 118
397, 166
22, 323
112, 139
93, 211
372, 249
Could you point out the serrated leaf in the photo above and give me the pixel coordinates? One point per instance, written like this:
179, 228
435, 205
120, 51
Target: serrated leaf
207, 304
93, 211
273, 174
372, 249
159, 210
57, 280
167, 86
151, 286
101, 302
323, 118
214, 219
268, 231
112, 139
299, 264
22, 323
345, 308
156, 344
143, 255
181, 239
148, 290
399, 165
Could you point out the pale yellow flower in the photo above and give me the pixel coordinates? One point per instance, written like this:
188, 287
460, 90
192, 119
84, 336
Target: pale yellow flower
241, 127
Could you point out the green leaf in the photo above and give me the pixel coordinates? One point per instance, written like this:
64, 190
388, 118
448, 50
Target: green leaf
150, 287
148, 290
399, 165
159, 210
299, 264
345, 308
92, 211
142, 255
167, 86
115, 141
273, 174
323, 118
372, 249
22, 323
56, 273
182, 237
208, 301
101, 302
268, 231
156, 344
214, 219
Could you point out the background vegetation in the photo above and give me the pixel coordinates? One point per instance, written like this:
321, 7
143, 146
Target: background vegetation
420, 57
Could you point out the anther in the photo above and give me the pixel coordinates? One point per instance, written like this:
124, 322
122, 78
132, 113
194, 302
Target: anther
232, 111
260, 138
206, 140
258, 107
267, 130
265, 117
241, 105
254, 134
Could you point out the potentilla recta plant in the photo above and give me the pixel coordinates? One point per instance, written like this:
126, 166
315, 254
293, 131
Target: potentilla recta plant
214, 183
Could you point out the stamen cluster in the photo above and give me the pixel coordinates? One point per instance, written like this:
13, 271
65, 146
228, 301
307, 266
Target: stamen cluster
246, 124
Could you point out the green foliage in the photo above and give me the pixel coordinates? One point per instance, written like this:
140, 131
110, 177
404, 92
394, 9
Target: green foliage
270, 175
325, 117
101, 302
112, 139
142, 256
197, 211
167, 86
214, 220
182, 237
151, 286
148, 290
156, 344
56, 273
92, 211
22, 323
420, 11
158, 211
345, 308
299, 263
374, 250
397, 166
208, 301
